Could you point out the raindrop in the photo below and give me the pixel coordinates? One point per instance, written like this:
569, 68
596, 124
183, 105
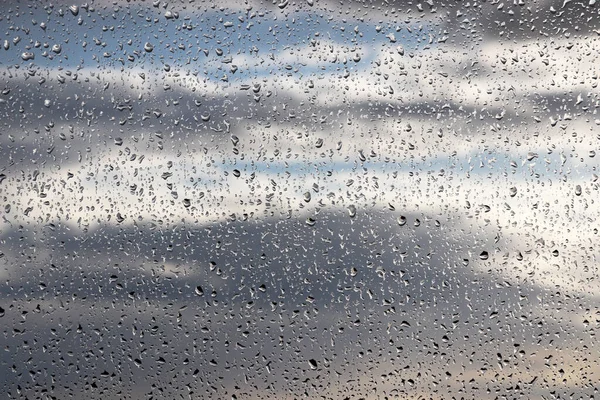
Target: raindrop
352, 211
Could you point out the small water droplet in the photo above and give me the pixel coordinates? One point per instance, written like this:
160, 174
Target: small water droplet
531, 156
352, 211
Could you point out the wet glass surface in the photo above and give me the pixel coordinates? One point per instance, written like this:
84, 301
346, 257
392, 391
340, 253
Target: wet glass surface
299, 199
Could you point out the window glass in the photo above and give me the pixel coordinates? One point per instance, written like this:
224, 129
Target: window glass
299, 199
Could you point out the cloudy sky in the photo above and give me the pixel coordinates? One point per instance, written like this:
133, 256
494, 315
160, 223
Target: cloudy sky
299, 199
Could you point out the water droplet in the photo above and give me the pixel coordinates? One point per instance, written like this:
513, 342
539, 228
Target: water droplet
170, 15
531, 156
402, 220
484, 255
27, 56
352, 211
307, 197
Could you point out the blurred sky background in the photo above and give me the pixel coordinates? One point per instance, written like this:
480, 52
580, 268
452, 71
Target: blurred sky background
306, 199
